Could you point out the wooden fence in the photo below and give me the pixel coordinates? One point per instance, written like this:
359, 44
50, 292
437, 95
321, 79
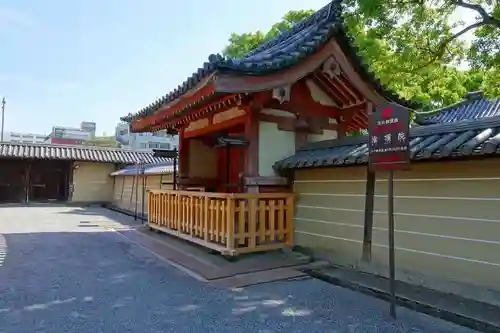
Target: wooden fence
228, 223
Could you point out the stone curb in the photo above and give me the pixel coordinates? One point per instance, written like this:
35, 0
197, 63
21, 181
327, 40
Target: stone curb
457, 318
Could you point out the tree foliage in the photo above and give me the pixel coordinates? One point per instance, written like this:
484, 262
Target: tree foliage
414, 46
103, 141
434, 16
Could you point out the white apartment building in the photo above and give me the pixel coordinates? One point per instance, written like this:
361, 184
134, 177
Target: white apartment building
17, 137
144, 141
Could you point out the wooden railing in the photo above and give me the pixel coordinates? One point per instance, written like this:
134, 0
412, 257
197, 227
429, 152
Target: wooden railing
225, 222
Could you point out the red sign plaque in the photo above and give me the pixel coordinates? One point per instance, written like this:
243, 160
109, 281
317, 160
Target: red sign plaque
389, 143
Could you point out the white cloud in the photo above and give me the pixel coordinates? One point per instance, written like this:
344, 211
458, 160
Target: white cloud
13, 18
29, 84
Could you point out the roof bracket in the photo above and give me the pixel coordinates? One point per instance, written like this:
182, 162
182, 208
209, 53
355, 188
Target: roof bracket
331, 68
282, 94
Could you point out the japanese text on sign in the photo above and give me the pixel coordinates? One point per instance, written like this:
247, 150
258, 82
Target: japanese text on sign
388, 141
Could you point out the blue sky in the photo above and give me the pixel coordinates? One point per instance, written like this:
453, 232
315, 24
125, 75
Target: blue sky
63, 62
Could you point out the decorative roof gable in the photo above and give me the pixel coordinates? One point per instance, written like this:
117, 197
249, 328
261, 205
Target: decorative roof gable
279, 53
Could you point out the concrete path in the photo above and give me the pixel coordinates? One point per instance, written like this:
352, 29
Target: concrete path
61, 270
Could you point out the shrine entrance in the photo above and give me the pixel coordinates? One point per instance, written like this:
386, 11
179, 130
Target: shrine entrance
215, 160
231, 164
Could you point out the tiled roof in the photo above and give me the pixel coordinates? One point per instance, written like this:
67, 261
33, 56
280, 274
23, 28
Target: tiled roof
433, 142
150, 169
282, 52
75, 153
474, 106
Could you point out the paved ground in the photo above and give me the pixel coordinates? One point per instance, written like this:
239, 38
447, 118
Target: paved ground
60, 271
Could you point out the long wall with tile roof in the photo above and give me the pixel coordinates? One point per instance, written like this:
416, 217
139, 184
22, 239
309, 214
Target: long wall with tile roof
75, 153
446, 206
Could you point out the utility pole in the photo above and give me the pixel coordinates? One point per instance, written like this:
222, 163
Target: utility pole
3, 117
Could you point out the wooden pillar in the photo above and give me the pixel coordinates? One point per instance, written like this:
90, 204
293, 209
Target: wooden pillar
252, 136
183, 155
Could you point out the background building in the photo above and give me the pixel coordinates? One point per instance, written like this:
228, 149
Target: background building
88, 126
17, 137
144, 141
72, 136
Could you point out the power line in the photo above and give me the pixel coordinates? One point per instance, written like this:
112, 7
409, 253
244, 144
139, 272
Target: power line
3, 117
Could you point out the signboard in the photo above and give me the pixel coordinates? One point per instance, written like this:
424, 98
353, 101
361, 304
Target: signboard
70, 133
65, 141
388, 130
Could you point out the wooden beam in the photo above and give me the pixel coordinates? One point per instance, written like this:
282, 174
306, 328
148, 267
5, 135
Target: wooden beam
219, 105
331, 90
301, 102
216, 127
289, 123
354, 107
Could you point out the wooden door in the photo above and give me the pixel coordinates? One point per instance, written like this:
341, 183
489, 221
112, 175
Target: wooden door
13, 181
230, 163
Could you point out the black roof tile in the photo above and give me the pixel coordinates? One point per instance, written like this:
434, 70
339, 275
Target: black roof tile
76, 153
282, 52
474, 106
433, 142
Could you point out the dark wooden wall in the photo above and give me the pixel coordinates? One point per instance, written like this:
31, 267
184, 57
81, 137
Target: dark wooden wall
23, 180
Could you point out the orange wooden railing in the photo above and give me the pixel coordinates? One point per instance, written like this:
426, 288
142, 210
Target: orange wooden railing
226, 222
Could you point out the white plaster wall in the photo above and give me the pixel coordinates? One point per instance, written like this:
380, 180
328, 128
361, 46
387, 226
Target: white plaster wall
274, 145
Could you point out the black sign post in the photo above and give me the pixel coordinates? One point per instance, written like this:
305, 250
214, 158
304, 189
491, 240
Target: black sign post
139, 171
389, 150
142, 171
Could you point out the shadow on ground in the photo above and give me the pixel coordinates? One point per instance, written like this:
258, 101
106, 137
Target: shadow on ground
87, 279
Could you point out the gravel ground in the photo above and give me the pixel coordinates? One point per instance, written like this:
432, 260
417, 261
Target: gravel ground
61, 272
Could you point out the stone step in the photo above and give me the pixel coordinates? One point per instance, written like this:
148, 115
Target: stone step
248, 279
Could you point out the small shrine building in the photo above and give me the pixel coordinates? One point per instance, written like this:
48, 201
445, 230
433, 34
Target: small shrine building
236, 117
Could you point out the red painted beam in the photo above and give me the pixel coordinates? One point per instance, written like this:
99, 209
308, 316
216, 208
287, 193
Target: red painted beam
182, 103
301, 102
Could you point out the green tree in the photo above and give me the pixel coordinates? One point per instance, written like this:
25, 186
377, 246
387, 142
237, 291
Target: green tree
434, 16
103, 141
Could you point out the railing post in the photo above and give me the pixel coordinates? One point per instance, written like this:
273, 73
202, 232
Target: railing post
252, 222
205, 218
160, 210
290, 211
150, 196
178, 212
231, 208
